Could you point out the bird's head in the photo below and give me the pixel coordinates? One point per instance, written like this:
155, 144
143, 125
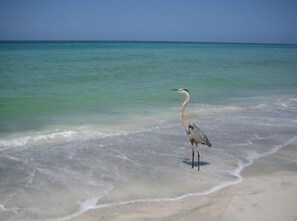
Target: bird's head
183, 91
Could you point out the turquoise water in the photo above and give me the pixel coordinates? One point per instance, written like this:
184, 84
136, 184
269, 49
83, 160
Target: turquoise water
95, 125
77, 83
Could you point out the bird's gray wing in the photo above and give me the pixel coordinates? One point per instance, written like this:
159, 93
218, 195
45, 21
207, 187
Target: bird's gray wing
197, 135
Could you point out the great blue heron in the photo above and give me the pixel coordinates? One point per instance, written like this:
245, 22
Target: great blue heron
195, 133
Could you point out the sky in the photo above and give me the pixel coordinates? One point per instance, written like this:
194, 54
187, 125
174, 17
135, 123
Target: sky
248, 21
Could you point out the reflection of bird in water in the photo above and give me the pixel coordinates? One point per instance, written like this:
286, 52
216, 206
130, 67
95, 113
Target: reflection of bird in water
195, 133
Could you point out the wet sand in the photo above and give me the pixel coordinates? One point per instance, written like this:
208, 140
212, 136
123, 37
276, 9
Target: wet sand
268, 192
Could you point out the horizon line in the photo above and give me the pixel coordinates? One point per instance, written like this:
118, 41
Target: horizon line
154, 41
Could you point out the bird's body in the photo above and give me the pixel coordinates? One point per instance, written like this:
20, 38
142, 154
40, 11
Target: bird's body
195, 134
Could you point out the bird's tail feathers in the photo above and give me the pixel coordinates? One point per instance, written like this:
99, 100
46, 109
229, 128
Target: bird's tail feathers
208, 143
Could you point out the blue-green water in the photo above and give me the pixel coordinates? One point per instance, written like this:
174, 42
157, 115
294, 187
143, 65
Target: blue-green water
81, 83
100, 116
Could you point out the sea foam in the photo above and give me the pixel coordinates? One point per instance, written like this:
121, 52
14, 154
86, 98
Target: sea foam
92, 203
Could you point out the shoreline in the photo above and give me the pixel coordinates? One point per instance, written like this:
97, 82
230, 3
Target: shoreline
266, 193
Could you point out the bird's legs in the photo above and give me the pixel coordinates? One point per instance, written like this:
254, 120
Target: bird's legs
198, 155
193, 153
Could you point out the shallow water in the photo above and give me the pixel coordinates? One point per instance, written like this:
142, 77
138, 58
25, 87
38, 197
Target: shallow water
60, 180
61, 155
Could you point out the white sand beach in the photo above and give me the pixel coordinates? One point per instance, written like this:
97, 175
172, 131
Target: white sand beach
268, 192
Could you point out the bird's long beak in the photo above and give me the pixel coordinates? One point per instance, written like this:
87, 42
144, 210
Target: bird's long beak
174, 89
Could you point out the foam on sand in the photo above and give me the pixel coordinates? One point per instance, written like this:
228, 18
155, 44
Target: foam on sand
92, 203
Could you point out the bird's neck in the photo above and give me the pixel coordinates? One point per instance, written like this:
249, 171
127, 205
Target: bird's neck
183, 114
184, 105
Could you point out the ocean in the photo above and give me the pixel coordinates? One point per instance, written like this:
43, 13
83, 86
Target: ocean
87, 125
